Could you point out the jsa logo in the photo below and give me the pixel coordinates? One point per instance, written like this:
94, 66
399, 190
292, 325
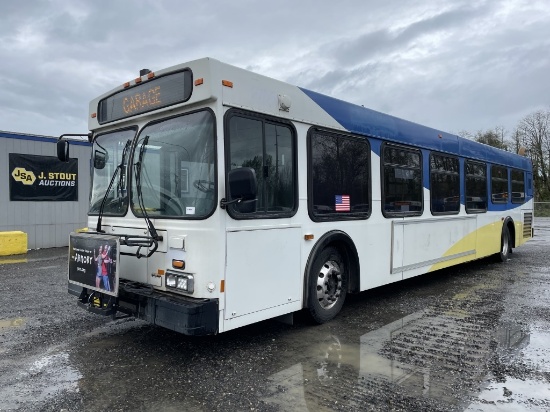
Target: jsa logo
24, 176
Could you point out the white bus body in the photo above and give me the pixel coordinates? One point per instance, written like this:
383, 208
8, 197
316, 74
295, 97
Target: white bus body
250, 266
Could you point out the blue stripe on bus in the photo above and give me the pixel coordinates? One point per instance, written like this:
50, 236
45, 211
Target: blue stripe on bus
360, 120
368, 122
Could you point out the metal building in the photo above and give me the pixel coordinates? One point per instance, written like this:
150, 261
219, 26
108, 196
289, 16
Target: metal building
46, 221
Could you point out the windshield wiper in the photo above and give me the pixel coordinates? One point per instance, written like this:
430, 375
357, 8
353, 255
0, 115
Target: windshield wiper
104, 201
152, 231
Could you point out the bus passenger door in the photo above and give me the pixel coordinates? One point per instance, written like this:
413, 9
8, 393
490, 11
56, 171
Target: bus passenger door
262, 273
262, 278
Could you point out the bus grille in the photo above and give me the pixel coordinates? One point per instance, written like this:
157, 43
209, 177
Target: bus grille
527, 224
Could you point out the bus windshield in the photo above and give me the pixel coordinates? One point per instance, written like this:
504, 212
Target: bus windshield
174, 167
109, 151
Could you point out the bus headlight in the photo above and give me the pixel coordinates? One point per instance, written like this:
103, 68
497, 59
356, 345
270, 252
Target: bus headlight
170, 280
183, 281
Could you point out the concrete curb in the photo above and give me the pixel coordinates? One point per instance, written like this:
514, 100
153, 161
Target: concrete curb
13, 243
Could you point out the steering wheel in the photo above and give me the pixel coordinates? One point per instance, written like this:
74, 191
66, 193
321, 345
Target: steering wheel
175, 206
205, 186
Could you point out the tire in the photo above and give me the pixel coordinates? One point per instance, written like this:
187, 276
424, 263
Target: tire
327, 286
505, 245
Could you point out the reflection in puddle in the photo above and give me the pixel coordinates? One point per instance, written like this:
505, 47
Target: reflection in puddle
43, 378
505, 393
10, 323
513, 395
287, 389
429, 357
536, 354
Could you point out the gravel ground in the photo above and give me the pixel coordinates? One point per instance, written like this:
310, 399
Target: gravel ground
474, 337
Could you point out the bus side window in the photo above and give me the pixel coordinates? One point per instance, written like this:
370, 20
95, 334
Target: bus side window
401, 181
444, 184
339, 176
476, 187
268, 147
529, 184
499, 184
518, 186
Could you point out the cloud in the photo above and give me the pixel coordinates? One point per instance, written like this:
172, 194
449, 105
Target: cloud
453, 65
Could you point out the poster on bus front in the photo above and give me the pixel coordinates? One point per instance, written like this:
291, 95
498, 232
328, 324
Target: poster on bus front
93, 262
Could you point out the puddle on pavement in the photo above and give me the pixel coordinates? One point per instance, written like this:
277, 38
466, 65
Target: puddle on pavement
537, 353
12, 323
41, 379
30, 257
439, 357
5, 261
513, 395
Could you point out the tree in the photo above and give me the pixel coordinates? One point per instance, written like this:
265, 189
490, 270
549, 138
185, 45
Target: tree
493, 138
533, 133
531, 138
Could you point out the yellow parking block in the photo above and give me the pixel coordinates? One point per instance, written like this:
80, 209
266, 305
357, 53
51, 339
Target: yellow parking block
13, 243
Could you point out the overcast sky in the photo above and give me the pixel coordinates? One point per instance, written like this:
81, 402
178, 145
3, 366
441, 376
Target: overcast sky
450, 64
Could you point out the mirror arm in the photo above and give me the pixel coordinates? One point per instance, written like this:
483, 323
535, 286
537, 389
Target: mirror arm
88, 135
224, 203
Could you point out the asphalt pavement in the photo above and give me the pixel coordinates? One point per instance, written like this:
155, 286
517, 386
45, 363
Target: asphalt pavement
475, 337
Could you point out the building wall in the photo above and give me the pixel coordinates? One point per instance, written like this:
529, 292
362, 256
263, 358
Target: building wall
47, 224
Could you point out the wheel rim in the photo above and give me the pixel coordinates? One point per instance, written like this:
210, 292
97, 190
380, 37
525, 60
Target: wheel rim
329, 284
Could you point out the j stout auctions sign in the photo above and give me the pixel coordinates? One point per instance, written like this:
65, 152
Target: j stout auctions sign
42, 178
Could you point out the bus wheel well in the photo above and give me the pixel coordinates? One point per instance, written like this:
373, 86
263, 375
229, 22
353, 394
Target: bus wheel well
349, 253
344, 245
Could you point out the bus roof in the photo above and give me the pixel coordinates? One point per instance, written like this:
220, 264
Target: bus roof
259, 93
368, 122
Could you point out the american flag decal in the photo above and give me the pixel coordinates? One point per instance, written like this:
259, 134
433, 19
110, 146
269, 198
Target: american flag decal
341, 203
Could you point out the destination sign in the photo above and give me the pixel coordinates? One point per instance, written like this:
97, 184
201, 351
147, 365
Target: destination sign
151, 95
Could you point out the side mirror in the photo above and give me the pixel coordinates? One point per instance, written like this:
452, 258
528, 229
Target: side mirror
100, 159
243, 188
63, 150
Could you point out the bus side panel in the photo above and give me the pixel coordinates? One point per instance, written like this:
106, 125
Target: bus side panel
397, 247
438, 242
262, 273
488, 233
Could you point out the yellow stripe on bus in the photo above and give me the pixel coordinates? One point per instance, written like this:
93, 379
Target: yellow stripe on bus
485, 241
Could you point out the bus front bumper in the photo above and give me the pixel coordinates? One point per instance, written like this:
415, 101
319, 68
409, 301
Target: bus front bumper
178, 313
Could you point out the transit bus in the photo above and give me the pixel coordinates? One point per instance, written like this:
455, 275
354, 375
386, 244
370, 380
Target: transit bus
221, 198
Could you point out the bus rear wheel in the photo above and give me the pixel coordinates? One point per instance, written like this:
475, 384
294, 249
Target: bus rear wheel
505, 245
327, 285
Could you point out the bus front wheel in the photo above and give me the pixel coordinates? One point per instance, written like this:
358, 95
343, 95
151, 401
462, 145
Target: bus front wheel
327, 285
